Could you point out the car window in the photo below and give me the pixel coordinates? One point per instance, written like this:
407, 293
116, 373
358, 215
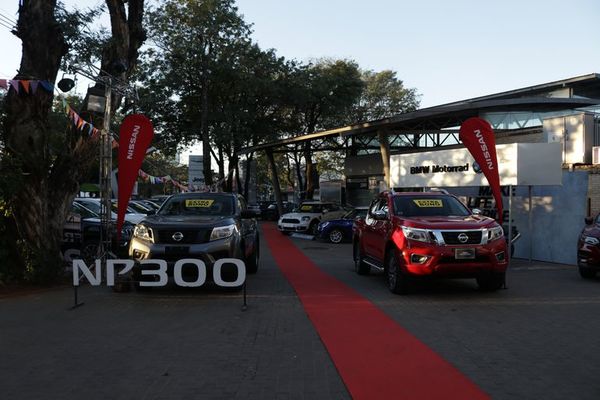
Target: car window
210, 205
429, 206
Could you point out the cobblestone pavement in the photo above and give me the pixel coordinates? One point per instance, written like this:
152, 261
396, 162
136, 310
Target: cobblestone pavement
536, 340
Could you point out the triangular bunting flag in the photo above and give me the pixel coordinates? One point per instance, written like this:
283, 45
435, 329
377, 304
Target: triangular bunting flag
47, 85
34, 86
25, 84
80, 123
91, 129
83, 124
15, 85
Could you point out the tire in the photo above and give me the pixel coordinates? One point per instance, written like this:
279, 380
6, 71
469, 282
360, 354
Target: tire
587, 273
313, 228
492, 282
397, 282
253, 260
335, 236
360, 266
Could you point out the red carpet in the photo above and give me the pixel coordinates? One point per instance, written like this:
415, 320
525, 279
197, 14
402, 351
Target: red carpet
376, 357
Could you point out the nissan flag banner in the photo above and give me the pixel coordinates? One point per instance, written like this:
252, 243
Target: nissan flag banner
135, 136
478, 136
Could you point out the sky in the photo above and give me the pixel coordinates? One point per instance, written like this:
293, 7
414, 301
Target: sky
447, 50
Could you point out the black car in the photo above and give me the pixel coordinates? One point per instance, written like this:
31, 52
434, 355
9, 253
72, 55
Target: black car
81, 235
270, 212
204, 226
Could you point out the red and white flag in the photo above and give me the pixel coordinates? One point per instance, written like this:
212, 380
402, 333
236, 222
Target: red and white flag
135, 136
478, 136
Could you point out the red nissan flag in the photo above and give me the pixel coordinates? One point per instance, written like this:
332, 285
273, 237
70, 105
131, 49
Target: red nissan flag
478, 136
135, 136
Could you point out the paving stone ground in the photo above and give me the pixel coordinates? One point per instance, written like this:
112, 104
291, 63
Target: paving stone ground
539, 339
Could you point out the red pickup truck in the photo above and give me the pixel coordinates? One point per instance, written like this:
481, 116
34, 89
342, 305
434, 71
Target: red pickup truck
409, 235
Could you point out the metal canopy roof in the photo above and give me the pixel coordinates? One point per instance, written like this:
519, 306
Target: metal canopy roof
453, 114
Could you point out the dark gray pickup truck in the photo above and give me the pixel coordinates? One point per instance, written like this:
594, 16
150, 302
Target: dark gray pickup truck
204, 226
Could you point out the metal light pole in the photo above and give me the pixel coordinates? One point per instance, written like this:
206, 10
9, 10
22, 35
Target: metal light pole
105, 175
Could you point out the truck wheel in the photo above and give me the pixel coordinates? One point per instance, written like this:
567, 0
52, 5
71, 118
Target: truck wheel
360, 266
492, 282
587, 273
336, 236
398, 282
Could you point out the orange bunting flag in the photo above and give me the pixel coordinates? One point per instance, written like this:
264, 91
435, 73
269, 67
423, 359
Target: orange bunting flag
25, 86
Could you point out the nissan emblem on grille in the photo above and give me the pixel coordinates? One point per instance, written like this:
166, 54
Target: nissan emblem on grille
177, 236
463, 238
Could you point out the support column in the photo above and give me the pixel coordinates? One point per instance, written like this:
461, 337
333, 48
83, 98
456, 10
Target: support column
384, 145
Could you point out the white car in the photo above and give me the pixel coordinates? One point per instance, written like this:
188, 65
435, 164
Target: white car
306, 219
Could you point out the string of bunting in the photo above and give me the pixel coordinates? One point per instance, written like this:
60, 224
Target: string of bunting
160, 179
29, 86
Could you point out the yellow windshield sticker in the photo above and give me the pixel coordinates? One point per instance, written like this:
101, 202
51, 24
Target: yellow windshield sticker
204, 203
305, 208
429, 203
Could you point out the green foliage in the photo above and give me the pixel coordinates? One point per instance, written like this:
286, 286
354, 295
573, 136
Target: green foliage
384, 95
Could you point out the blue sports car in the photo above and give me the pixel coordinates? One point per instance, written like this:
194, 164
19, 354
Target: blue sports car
339, 230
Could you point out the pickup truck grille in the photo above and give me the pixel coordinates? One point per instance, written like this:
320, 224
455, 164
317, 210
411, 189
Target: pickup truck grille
290, 221
190, 236
452, 237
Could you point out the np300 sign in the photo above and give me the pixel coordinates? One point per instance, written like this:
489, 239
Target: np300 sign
162, 278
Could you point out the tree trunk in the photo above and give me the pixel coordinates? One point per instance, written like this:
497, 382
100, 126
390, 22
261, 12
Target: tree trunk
275, 180
50, 177
37, 219
310, 182
247, 176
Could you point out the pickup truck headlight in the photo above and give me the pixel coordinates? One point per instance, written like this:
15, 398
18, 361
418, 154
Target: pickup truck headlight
421, 235
222, 232
143, 232
591, 240
495, 233
304, 219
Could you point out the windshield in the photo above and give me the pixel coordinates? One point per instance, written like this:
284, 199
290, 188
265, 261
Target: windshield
210, 205
429, 206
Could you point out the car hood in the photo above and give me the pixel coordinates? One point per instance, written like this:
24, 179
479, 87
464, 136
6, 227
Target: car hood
450, 222
187, 221
300, 215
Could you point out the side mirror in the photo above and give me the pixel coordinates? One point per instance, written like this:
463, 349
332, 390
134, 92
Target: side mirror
589, 220
476, 211
247, 214
379, 215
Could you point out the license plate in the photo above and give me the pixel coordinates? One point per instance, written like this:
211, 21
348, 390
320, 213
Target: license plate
464, 254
